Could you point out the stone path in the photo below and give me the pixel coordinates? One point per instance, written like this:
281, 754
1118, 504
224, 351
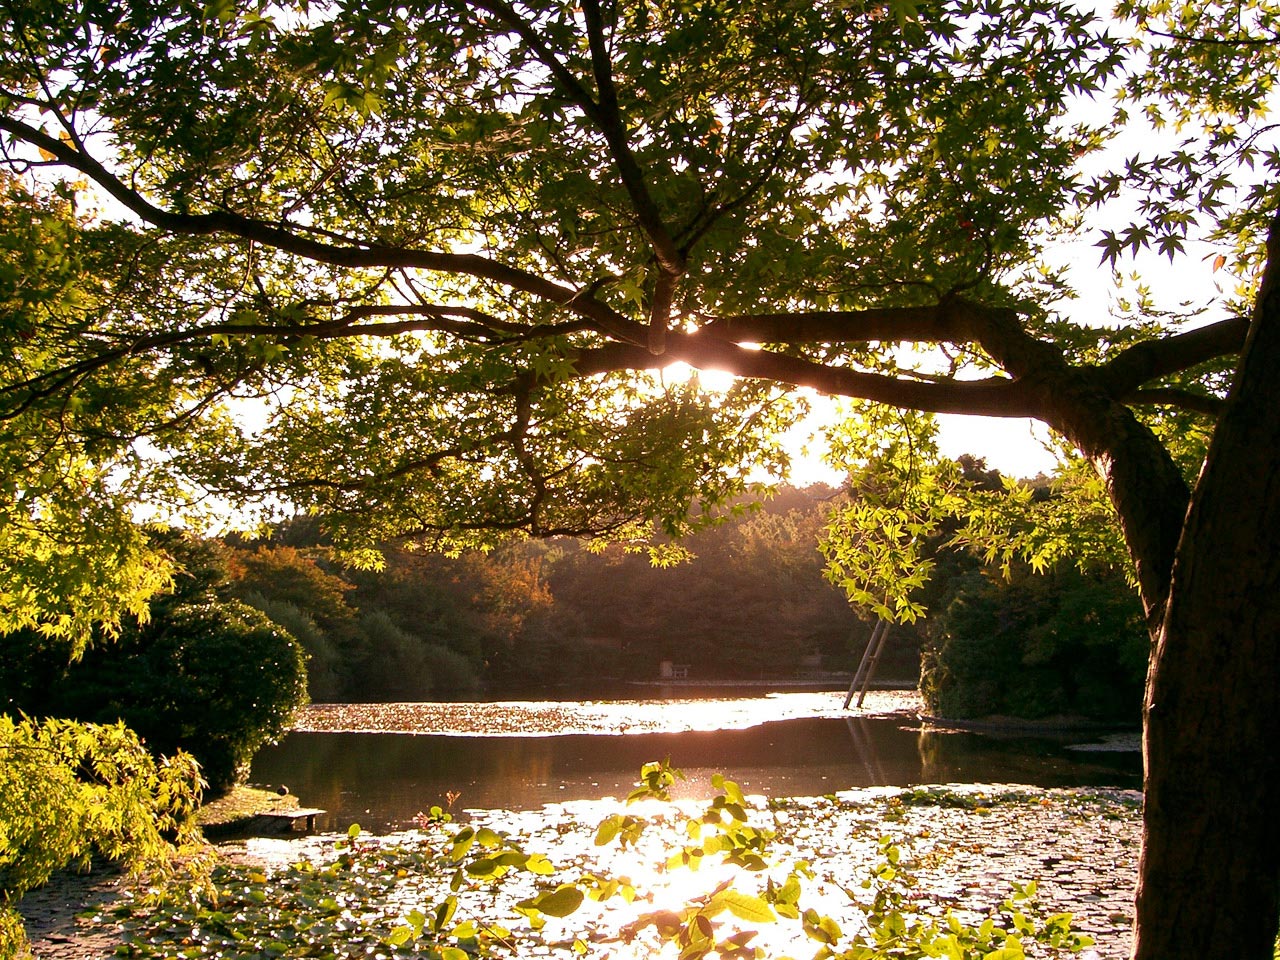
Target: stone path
50, 915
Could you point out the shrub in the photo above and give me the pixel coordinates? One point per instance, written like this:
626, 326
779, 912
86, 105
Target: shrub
220, 680
71, 790
217, 679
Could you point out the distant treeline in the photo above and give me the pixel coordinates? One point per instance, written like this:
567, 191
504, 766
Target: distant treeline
557, 617
751, 604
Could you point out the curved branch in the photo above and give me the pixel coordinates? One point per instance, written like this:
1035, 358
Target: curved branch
356, 256
606, 115
475, 324
1181, 399
430, 463
670, 259
1153, 359
992, 397
1216, 41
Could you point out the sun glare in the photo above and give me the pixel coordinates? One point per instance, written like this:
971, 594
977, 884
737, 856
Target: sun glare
712, 381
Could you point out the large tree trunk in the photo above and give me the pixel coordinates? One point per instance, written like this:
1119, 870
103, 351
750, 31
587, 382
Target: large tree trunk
1209, 883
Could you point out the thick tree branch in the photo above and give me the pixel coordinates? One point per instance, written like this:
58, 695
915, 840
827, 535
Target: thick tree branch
1153, 359
993, 397
355, 256
959, 321
671, 260
614, 128
1143, 482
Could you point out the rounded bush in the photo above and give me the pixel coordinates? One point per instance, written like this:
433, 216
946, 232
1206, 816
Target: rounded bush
215, 678
219, 680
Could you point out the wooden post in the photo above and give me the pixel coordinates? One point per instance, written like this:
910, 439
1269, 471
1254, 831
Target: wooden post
875, 660
862, 665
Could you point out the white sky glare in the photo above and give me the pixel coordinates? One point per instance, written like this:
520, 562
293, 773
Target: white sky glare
1014, 447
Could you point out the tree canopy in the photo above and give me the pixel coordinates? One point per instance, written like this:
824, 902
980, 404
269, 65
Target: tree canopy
423, 271
444, 257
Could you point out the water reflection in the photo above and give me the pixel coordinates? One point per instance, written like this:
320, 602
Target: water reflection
382, 780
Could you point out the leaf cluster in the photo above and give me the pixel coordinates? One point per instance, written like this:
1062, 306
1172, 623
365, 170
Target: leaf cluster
70, 791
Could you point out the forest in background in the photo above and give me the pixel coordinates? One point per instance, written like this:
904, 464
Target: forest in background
554, 618
751, 604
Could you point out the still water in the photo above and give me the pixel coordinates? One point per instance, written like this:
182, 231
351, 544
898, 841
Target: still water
380, 780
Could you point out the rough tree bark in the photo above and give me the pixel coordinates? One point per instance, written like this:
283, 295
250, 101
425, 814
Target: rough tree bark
1209, 879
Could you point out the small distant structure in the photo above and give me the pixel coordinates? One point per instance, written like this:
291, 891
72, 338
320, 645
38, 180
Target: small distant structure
810, 667
668, 670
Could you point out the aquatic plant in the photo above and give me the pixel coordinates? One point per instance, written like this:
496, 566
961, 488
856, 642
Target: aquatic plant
701, 880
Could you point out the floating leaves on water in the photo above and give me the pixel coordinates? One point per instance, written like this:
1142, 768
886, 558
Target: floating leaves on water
447, 895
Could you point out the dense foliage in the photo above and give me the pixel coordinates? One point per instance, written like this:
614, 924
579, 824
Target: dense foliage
202, 673
447, 258
751, 602
1058, 643
448, 253
69, 791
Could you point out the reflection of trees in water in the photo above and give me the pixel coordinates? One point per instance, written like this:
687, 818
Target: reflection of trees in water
931, 746
865, 751
393, 776
530, 760
950, 756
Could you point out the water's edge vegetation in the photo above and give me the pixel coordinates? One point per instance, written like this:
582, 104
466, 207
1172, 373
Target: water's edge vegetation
885, 872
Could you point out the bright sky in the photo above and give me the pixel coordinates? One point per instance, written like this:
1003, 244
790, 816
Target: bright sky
1014, 447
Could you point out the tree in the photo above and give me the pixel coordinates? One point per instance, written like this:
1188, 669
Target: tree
69, 791
1062, 642
443, 255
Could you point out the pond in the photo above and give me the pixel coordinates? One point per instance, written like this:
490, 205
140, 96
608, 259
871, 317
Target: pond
780, 744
